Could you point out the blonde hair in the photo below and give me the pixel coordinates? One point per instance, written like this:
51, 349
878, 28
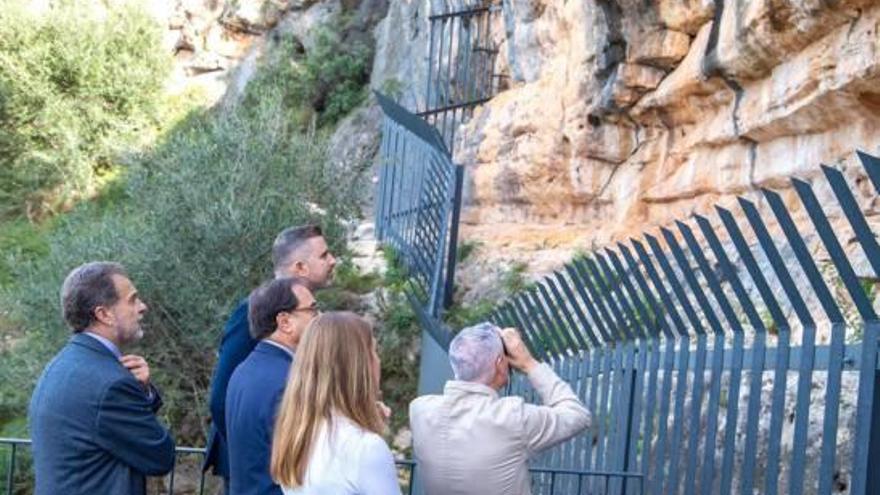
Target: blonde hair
332, 373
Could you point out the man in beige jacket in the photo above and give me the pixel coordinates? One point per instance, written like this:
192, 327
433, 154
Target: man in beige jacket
470, 441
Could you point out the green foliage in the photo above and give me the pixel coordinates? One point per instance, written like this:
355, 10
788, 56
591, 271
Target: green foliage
398, 334
326, 83
460, 316
76, 88
192, 221
20, 241
349, 284
466, 249
514, 280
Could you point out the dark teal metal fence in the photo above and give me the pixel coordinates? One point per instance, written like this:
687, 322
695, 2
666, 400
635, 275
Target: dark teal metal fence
418, 201
699, 357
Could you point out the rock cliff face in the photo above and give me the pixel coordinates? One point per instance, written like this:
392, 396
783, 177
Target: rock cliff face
622, 115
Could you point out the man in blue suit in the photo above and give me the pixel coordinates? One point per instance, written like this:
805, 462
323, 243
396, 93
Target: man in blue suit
92, 416
279, 312
297, 252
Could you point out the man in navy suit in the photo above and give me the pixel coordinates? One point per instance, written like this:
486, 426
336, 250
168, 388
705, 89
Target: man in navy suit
279, 312
297, 252
92, 416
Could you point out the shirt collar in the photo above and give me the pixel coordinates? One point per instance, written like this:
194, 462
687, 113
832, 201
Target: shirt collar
280, 346
457, 387
107, 343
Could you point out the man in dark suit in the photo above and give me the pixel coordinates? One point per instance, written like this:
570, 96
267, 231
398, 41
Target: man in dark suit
92, 416
297, 252
279, 312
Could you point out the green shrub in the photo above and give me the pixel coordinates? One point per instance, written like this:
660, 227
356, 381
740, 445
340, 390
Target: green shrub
76, 88
326, 83
192, 220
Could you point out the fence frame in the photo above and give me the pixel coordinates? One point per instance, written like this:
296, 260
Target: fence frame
618, 321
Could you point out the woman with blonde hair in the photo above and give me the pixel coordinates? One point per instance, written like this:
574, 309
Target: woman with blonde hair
326, 438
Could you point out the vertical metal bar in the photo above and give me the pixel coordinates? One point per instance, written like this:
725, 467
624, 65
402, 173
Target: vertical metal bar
10, 472
808, 340
706, 479
603, 411
683, 361
595, 355
453, 35
489, 59
627, 412
782, 346
171, 480
453, 236
202, 474
700, 365
624, 308
668, 365
730, 274
439, 99
428, 105
758, 350
615, 409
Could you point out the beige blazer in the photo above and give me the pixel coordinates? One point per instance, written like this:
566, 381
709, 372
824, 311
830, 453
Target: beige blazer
470, 441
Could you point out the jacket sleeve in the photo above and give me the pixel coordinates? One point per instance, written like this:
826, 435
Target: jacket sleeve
561, 416
129, 430
235, 346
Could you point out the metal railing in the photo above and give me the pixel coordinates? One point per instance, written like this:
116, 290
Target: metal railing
406, 468
461, 64
682, 348
418, 203
541, 477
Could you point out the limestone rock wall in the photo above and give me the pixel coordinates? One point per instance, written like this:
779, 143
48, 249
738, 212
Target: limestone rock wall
622, 115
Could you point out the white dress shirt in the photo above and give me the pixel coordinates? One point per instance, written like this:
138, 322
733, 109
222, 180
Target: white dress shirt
348, 460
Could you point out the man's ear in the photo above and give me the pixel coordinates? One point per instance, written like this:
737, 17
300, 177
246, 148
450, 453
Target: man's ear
300, 268
282, 322
103, 315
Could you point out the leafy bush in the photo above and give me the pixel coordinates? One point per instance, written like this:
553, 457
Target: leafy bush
192, 220
76, 88
327, 82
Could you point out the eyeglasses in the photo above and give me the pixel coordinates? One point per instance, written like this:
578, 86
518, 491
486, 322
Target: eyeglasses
314, 310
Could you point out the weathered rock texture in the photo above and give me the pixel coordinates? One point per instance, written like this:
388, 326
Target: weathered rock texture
623, 115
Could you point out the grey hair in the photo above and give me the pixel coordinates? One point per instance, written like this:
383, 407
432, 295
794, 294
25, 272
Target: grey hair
472, 353
87, 287
289, 241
